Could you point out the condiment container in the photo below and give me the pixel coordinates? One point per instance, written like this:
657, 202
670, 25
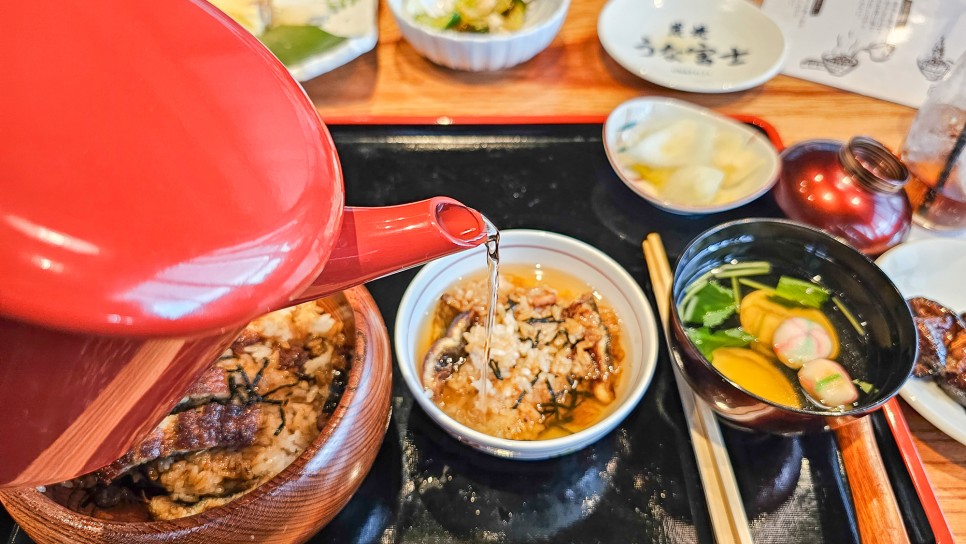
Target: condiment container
933, 152
853, 191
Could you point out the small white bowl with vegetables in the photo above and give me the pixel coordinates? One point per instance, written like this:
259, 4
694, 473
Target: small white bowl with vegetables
479, 35
686, 159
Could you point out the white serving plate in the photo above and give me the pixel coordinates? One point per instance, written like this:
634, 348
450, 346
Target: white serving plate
720, 46
354, 20
661, 111
934, 269
358, 21
609, 279
339, 55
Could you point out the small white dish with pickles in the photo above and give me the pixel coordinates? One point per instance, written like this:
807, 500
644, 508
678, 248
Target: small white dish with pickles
686, 159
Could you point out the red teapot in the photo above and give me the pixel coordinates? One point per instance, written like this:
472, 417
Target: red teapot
164, 182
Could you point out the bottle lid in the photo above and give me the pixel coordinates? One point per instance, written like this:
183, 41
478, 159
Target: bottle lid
873, 165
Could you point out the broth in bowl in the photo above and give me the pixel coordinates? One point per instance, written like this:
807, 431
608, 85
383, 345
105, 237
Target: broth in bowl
849, 320
555, 356
788, 340
571, 268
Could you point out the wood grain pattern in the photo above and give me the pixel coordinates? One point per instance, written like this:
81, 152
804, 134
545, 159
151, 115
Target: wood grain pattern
877, 512
575, 76
288, 508
945, 461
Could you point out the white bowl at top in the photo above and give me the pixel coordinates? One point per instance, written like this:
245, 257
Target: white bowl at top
478, 52
734, 146
553, 251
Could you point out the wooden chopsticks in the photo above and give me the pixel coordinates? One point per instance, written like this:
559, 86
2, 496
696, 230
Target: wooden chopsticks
728, 518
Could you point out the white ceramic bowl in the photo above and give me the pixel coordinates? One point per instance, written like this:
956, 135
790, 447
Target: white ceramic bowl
554, 251
484, 52
661, 112
933, 269
705, 46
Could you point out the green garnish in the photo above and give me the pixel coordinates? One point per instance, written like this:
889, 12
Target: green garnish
737, 291
443, 22
692, 290
708, 341
866, 387
848, 315
728, 270
295, 43
710, 306
801, 292
756, 285
516, 15
740, 270
825, 382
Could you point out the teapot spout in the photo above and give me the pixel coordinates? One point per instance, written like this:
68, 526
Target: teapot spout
376, 242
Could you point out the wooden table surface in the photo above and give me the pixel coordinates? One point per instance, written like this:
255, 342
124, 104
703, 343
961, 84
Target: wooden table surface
575, 76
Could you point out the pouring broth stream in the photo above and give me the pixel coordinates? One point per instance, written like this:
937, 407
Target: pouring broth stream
493, 280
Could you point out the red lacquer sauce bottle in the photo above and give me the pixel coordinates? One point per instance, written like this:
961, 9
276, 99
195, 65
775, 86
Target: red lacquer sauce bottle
852, 191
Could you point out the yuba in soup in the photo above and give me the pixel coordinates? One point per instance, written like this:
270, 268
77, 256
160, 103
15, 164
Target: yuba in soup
555, 355
780, 337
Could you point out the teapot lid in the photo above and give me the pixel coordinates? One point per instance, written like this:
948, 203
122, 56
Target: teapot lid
163, 173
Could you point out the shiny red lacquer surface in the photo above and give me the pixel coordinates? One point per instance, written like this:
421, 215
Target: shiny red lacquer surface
74, 402
375, 242
187, 184
187, 187
814, 188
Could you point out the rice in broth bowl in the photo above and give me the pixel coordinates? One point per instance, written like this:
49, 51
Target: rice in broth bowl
555, 355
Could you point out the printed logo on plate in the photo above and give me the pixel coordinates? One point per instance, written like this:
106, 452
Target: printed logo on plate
690, 45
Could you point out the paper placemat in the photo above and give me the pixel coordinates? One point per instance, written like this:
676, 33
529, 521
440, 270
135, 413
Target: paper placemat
888, 49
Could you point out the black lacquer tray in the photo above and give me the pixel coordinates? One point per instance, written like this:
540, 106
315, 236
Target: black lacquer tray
640, 482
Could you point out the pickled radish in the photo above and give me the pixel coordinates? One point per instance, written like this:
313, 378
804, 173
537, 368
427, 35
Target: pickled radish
679, 144
711, 164
827, 383
799, 340
693, 185
733, 156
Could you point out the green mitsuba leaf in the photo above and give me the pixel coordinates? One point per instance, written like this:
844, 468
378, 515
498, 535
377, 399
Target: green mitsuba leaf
804, 293
708, 341
710, 306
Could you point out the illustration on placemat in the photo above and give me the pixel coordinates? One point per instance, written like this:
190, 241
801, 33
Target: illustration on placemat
841, 60
935, 66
